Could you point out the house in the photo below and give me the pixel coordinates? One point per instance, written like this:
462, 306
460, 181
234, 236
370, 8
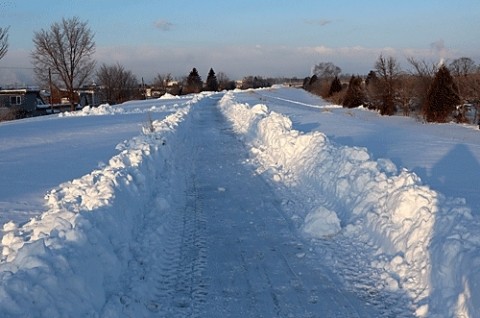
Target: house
90, 97
26, 99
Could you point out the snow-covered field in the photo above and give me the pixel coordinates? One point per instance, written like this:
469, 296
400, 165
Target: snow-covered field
158, 208
38, 154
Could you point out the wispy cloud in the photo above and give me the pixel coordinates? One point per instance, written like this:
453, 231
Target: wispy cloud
347, 51
320, 22
163, 25
438, 46
235, 60
15, 68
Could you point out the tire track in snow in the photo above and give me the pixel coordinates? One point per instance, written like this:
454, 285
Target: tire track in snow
165, 272
169, 261
180, 287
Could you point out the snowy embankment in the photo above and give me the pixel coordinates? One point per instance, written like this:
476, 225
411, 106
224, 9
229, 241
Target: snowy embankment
66, 262
426, 245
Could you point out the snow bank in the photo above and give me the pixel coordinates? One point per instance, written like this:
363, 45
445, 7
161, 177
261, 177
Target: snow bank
426, 245
168, 96
66, 262
106, 109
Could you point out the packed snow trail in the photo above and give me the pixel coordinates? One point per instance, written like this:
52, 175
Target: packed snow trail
179, 224
226, 249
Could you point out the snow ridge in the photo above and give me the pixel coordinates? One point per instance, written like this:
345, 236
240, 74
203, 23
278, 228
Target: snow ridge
66, 262
346, 193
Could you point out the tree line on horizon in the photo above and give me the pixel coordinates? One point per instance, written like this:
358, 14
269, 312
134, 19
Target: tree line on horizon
434, 92
63, 61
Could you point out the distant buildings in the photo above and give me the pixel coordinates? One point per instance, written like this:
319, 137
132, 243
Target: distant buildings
29, 100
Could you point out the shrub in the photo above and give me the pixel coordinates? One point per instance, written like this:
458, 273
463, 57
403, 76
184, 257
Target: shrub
442, 97
355, 95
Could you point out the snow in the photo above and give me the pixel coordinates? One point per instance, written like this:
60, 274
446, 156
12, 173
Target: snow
369, 215
322, 222
419, 235
38, 154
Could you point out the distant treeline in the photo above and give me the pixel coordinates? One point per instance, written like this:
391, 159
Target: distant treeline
434, 92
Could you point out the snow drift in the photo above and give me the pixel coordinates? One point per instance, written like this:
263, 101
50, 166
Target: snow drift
426, 245
66, 262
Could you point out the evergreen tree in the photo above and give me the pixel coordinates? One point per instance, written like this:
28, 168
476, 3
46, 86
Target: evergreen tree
355, 95
335, 87
313, 80
442, 97
371, 78
306, 82
194, 82
311, 84
212, 83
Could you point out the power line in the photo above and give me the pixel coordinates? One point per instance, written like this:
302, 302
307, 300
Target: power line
16, 67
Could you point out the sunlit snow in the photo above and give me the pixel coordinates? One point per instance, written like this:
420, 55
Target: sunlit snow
250, 203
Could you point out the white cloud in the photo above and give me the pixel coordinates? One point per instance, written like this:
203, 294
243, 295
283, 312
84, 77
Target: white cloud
320, 22
163, 25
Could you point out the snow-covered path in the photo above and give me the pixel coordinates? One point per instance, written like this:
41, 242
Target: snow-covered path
201, 215
256, 264
227, 249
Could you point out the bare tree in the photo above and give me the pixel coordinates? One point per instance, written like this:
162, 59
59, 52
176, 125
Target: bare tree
474, 94
3, 42
64, 53
406, 92
387, 70
323, 75
326, 70
118, 84
422, 68
162, 81
462, 66
224, 82
467, 77
423, 73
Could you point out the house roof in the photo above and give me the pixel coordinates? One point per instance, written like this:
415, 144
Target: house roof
18, 91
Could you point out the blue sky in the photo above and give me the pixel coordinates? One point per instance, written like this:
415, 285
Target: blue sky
239, 38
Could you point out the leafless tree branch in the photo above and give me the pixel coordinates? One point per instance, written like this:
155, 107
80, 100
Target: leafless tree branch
66, 49
117, 83
3, 42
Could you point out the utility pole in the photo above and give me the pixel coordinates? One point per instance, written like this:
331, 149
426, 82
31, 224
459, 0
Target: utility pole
51, 91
